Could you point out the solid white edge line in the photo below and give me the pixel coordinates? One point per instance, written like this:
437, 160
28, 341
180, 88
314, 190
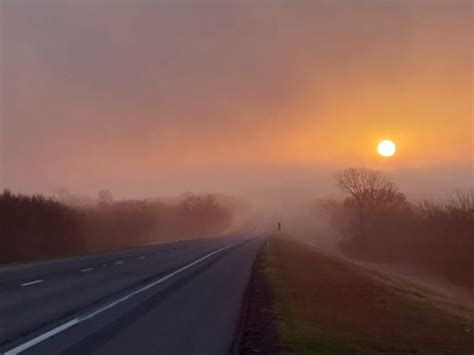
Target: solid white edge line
40, 338
32, 282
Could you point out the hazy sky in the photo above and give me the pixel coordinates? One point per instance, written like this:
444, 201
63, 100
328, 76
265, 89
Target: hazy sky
266, 97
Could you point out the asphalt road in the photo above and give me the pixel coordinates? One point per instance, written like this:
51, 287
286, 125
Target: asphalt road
175, 298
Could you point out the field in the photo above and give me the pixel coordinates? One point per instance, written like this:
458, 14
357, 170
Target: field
319, 305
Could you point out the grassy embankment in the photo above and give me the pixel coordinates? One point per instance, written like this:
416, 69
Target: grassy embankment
327, 306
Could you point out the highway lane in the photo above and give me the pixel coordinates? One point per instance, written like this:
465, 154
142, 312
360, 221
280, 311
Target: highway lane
74, 286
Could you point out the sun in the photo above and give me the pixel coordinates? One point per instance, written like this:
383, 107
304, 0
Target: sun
386, 148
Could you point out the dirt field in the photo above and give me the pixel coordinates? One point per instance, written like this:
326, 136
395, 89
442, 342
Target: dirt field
320, 305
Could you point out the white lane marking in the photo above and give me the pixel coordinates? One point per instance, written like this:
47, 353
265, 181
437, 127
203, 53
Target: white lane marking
40, 338
32, 282
87, 269
142, 257
105, 265
119, 262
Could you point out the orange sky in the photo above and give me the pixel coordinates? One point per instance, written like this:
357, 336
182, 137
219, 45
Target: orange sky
158, 98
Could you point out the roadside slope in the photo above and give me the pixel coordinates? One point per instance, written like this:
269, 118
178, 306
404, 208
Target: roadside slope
321, 305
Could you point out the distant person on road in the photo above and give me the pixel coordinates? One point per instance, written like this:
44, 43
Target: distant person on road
279, 226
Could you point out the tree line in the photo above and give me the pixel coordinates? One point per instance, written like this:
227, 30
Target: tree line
38, 227
378, 223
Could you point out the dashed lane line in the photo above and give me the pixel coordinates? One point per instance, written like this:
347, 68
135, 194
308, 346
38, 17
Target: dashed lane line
30, 283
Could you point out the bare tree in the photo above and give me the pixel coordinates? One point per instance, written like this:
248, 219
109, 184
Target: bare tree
367, 190
464, 201
105, 198
64, 195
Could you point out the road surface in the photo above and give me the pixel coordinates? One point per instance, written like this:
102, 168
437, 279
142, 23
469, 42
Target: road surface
175, 298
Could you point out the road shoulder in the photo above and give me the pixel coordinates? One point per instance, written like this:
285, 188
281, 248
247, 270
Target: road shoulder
259, 333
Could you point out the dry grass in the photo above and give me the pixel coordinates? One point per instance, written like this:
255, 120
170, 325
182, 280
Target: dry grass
327, 306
